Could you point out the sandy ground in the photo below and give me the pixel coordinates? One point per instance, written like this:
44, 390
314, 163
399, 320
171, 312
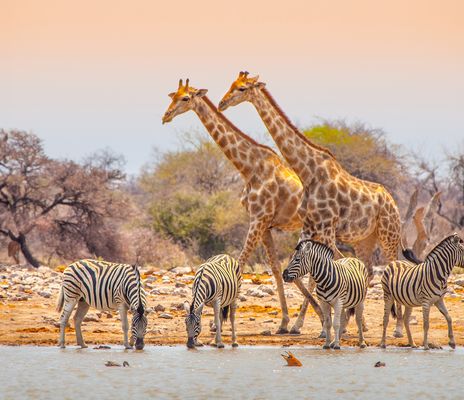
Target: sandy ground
32, 319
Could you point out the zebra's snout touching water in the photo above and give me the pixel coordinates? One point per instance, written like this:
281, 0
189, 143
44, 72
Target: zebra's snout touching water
341, 284
217, 284
106, 287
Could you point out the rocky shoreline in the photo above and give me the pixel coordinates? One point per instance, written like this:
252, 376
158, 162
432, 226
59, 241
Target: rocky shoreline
28, 297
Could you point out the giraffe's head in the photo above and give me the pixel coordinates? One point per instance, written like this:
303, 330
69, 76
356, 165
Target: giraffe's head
241, 90
183, 100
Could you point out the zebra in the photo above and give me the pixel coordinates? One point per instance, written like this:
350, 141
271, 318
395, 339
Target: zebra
217, 283
105, 286
422, 285
341, 284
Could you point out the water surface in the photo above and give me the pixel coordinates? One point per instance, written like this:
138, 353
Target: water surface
247, 372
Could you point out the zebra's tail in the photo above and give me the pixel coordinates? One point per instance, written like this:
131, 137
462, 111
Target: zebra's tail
60, 302
225, 313
350, 312
393, 311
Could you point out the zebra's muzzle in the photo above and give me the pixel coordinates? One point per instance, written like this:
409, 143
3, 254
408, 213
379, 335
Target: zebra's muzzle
139, 344
286, 276
190, 343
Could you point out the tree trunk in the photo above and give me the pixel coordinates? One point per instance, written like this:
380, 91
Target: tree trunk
26, 252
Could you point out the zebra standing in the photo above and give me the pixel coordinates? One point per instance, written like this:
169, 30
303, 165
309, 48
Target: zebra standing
422, 285
217, 284
105, 286
341, 284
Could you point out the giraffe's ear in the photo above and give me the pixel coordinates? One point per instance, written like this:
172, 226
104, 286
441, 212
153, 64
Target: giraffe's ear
171, 95
201, 92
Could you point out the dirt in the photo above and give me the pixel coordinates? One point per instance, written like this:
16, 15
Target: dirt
34, 322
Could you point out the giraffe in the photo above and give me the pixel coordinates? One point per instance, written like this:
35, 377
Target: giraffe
272, 192
336, 205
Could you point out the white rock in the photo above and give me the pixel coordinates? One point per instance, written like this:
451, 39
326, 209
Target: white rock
165, 316
45, 294
459, 282
181, 270
266, 289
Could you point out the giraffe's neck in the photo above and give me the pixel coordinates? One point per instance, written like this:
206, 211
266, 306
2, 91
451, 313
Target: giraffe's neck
239, 148
302, 155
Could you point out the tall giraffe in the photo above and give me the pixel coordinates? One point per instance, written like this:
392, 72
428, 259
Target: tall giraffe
272, 193
336, 205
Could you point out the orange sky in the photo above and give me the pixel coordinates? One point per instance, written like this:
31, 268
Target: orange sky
97, 72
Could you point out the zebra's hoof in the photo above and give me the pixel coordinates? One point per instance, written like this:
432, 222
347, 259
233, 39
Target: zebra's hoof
336, 347
397, 334
234, 344
326, 347
382, 346
426, 348
220, 345
322, 335
83, 346
452, 345
363, 345
61, 346
281, 331
295, 331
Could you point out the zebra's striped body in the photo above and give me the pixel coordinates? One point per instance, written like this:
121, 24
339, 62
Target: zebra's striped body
105, 286
217, 283
422, 285
341, 284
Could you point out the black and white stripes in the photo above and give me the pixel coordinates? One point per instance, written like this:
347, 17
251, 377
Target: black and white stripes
104, 286
341, 284
422, 285
217, 283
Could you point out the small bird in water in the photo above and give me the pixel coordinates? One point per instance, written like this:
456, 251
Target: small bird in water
114, 364
102, 347
292, 361
379, 364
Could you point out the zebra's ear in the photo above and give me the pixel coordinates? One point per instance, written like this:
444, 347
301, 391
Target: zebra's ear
187, 307
456, 238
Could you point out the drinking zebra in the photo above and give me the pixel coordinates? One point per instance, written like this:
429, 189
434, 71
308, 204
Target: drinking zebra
341, 284
105, 286
422, 285
217, 284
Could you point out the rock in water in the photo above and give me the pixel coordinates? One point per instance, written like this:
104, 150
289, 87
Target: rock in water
379, 364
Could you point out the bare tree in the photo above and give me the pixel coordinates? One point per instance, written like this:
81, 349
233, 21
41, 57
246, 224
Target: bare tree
57, 197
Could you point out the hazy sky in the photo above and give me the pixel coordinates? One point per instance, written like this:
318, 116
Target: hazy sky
84, 75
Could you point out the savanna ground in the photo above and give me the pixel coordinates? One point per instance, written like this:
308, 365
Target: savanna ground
27, 317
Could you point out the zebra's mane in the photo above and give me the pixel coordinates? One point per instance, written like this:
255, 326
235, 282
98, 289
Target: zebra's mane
140, 308
438, 247
322, 246
196, 283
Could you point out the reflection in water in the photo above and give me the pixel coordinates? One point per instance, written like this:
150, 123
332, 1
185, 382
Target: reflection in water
246, 372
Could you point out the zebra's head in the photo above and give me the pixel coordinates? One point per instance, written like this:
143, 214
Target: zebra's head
192, 323
139, 327
298, 266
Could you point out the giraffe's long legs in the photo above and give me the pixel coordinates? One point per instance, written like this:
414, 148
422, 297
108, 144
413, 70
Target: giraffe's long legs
389, 240
296, 329
276, 270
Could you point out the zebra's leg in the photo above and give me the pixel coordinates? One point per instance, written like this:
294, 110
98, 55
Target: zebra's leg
398, 332
326, 310
344, 319
359, 309
336, 324
233, 309
440, 304
426, 315
268, 243
406, 317
389, 242
217, 320
82, 308
388, 304
296, 329
67, 310
125, 325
